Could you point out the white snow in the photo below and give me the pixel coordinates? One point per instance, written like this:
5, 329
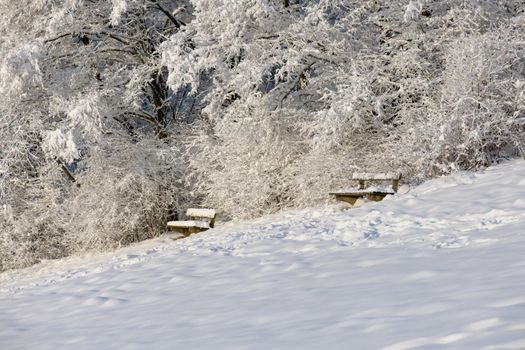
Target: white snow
189, 223
376, 176
442, 267
200, 213
60, 144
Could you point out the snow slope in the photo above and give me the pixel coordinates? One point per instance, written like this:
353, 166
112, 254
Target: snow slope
442, 267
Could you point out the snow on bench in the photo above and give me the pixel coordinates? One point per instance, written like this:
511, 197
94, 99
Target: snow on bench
376, 176
373, 193
198, 220
363, 178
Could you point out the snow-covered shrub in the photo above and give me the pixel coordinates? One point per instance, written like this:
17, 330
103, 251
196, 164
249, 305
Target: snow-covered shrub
123, 198
120, 195
472, 109
262, 69
482, 101
293, 107
87, 126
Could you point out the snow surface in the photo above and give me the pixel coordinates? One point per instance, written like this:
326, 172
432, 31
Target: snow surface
376, 176
200, 213
441, 267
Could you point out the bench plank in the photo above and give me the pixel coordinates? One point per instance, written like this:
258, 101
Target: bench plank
189, 223
200, 213
352, 197
376, 176
197, 220
373, 193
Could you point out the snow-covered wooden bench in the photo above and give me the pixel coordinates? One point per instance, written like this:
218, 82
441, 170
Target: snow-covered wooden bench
197, 220
370, 186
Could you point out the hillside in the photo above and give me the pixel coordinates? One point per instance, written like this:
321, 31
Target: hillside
116, 116
441, 267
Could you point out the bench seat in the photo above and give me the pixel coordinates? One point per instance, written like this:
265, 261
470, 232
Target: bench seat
199, 219
189, 223
352, 197
373, 193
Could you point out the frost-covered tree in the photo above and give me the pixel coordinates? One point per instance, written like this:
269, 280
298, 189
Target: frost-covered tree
87, 125
267, 69
298, 94
467, 86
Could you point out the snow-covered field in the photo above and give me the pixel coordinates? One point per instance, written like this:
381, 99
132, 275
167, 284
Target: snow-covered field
441, 267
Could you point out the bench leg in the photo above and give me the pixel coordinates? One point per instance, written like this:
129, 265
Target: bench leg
376, 197
196, 230
347, 199
186, 231
353, 199
395, 185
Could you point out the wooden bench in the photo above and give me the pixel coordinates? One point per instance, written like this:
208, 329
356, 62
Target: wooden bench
198, 220
365, 190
